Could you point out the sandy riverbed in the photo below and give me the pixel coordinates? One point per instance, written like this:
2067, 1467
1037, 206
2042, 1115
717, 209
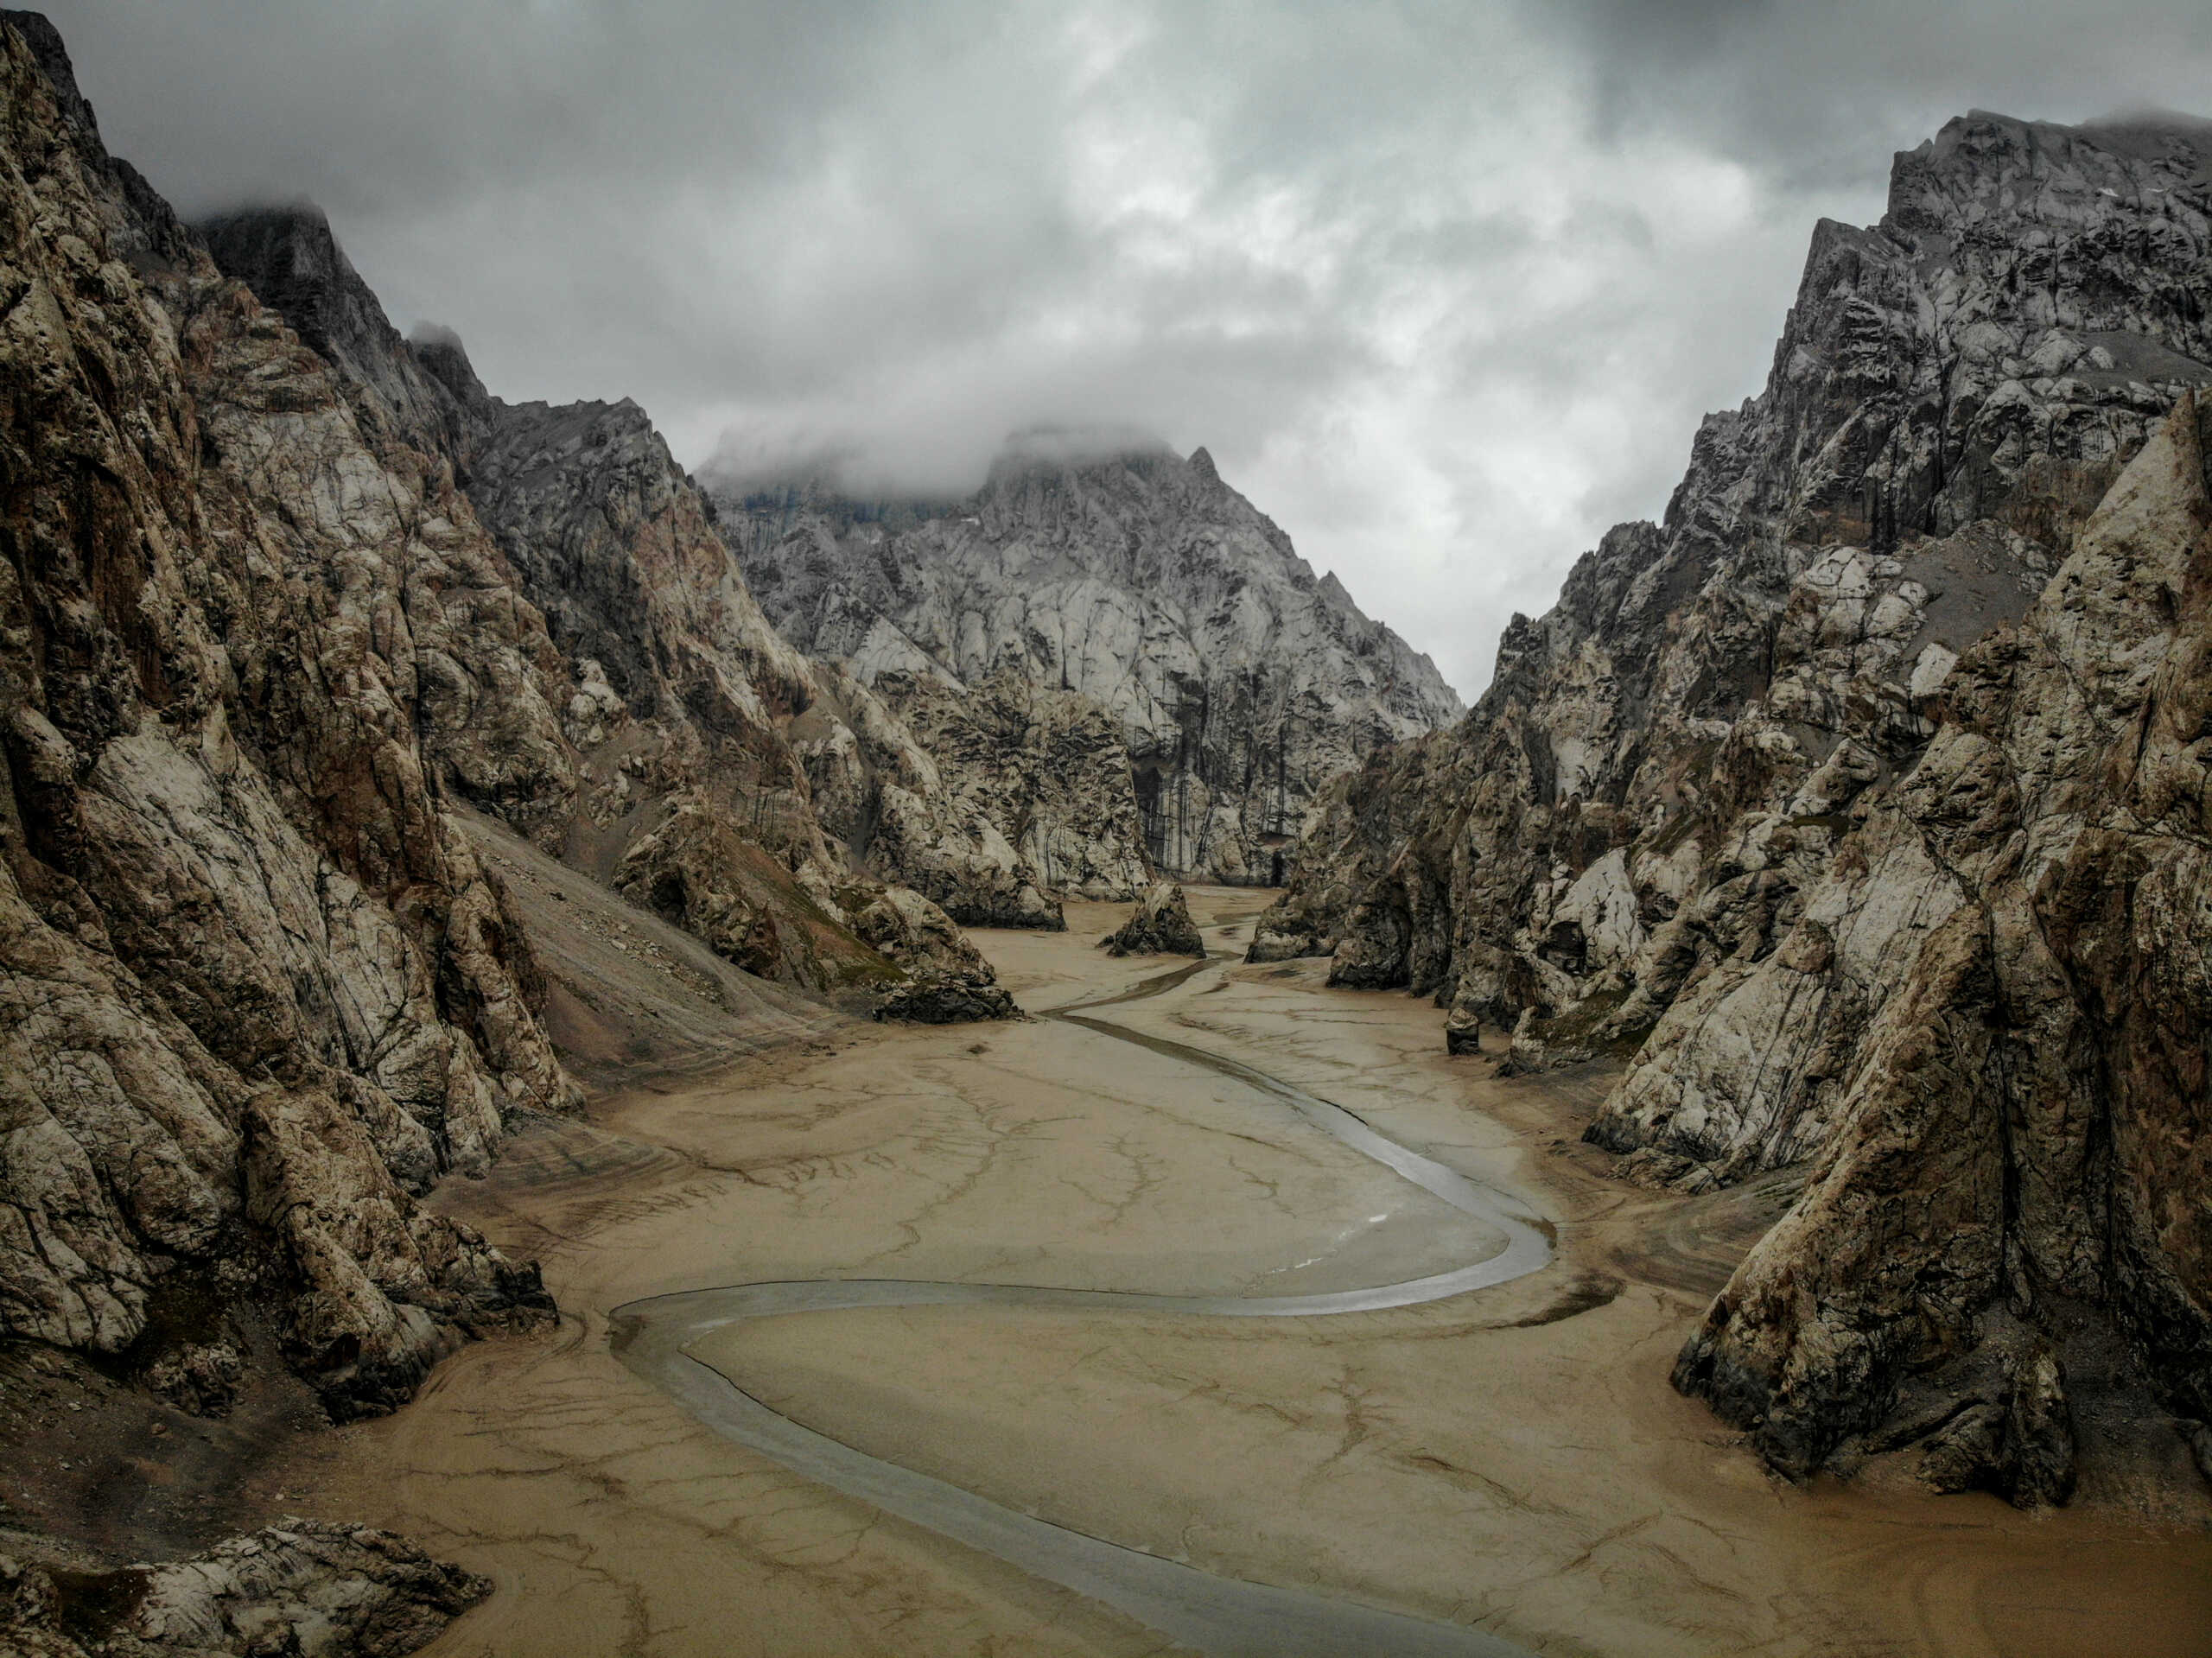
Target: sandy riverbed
1512, 1457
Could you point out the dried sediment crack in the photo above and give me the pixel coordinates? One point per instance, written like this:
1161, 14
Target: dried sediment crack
1516, 1429
1219, 1615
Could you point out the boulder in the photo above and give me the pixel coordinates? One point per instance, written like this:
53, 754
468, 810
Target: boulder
1160, 924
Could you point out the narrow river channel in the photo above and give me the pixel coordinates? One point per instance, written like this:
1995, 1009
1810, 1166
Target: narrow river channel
1199, 1609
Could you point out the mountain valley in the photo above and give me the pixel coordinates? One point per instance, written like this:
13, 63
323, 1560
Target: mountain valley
599, 1059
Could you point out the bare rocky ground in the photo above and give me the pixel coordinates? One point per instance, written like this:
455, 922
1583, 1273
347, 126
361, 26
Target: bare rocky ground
628, 994
1513, 1457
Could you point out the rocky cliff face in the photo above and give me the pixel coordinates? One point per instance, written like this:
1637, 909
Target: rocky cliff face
278, 598
1047, 767
302, 1585
1240, 683
1711, 815
706, 769
613, 537
257, 989
2017, 1159
274, 615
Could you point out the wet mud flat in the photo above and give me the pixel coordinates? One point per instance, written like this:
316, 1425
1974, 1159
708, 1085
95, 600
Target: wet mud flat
1502, 1464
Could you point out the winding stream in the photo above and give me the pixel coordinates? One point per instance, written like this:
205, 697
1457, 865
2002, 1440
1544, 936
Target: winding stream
1222, 1615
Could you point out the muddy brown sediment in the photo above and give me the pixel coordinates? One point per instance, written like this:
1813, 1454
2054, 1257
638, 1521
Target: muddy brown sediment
677, 1341
1484, 1459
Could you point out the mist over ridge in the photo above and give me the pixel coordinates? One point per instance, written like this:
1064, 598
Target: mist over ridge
1444, 289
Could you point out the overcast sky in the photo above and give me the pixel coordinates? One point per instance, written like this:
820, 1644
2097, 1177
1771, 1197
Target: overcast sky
1444, 287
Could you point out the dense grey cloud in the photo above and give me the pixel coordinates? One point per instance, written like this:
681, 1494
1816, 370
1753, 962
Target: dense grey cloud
1444, 287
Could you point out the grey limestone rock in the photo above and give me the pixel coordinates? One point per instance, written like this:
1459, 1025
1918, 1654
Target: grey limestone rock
1813, 801
1665, 763
2016, 1129
686, 755
947, 979
256, 991
1049, 764
1242, 682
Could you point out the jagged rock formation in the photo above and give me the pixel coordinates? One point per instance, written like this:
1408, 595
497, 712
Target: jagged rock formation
613, 538
698, 763
294, 266
959, 984
1710, 817
299, 1586
2022, 1132
1050, 765
1160, 926
259, 985
1242, 682
256, 990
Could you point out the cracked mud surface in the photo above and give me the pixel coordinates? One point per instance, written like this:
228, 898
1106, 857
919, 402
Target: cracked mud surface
681, 1343
1512, 1457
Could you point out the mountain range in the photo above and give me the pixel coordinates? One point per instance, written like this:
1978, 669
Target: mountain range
1243, 683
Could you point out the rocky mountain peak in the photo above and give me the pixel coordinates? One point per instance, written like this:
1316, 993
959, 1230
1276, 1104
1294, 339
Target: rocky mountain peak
142, 228
286, 254
289, 256
51, 53
1082, 494
439, 350
1124, 572
1984, 175
290, 251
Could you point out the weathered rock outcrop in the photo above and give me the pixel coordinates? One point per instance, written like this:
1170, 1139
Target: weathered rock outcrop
1665, 763
947, 980
1242, 682
712, 773
299, 1586
1047, 767
2021, 1136
259, 986
1160, 926
1714, 814
256, 990
288, 256
1665, 760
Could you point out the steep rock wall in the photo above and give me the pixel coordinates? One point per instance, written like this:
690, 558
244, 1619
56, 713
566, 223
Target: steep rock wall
257, 989
1804, 800
1664, 762
1049, 767
2021, 1139
676, 710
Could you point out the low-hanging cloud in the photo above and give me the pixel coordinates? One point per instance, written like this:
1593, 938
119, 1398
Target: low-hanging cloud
1444, 287
426, 333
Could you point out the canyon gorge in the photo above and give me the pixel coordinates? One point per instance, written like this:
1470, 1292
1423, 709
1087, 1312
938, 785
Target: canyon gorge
599, 1059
